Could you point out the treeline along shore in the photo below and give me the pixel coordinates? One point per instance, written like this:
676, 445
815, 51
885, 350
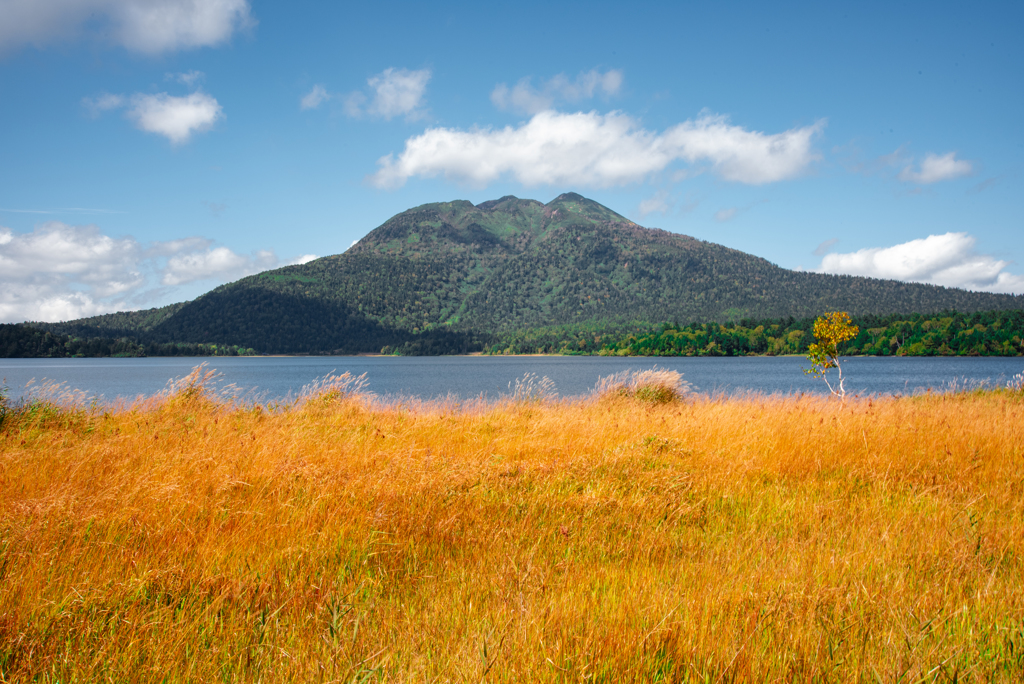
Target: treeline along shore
28, 342
987, 333
990, 333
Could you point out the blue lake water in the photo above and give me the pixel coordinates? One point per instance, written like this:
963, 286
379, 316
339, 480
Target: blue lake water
465, 377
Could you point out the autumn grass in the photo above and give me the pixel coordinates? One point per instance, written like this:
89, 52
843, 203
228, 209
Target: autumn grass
609, 539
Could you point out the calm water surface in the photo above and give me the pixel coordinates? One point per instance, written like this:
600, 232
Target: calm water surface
469, 376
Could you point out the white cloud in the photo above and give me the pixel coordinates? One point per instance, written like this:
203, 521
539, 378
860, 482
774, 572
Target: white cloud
175, 118
935, 168
314, 98
523, 97
723, 215
146, 26
59, 271
949, 259
590, 149
396, 92
218, 261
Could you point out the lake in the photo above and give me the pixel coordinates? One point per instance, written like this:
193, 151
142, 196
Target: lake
270, 378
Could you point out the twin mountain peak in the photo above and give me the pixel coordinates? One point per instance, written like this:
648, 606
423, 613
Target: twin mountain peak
470, 271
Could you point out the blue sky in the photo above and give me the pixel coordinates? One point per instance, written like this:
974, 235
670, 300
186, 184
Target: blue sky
152, 149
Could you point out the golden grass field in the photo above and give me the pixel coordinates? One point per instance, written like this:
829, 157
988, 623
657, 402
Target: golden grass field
607, 539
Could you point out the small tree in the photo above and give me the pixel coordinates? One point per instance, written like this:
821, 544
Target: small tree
831, 330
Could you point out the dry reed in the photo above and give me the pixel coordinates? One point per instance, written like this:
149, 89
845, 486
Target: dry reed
608, 539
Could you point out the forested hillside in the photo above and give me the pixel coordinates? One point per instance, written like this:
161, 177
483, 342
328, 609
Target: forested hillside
452, 277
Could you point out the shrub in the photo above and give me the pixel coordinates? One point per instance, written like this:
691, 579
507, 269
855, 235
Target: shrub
655, 386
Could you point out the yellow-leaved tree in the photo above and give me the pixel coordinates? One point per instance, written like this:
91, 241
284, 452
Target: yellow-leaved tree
831, 330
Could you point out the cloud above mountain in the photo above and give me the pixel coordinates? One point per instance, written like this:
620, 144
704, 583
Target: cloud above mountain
60, 271
525, 98
392, 93
598, 150
949, 259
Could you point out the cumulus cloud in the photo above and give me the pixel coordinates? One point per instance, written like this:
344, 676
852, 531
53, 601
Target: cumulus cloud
525, 98
146, 26
314, 98
59, 271
175, 118
937, 168
591, 149
185, 268
949, 259
395, 92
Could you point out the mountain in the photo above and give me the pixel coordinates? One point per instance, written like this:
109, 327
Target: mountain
448, 275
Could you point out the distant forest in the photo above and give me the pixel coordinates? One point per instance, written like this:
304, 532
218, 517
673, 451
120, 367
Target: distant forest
24, 341
988, 333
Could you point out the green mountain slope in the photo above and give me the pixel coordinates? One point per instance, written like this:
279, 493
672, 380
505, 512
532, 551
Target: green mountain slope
448, 275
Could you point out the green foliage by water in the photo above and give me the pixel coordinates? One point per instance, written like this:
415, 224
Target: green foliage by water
25, 341
991, 333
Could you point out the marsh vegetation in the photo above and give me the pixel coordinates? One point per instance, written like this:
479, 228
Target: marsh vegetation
634, 535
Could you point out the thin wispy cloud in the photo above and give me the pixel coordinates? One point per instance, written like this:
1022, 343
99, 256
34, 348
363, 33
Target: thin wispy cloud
935, 168
667, 202
216, 208
902, 165
63, 210
729, 213
314, 98
60, 271
723, 215
144, 26
825, 247
524, 97
187, 78
949, 259
595, 150
392, 93
104, 102
660, 202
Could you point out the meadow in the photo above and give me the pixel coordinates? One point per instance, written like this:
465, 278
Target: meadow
634, 535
